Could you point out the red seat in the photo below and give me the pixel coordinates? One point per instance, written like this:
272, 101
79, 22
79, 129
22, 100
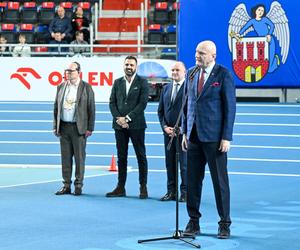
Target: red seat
26, 27
68, 6
8, 27
11, 13
161, 14
46, 13
29, 13
84, 5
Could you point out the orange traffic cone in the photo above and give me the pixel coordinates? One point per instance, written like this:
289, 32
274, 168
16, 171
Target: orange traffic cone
113, 164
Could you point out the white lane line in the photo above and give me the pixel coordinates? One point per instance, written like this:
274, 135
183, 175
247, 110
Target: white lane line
154, 122
265, 135
149, 157
149, 133
154, 171
266, 114
155, 113
267, 124
147, 144
55, 180
50, 131
156, 104
235, 173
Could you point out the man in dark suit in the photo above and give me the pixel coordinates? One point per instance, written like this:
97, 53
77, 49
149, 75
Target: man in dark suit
128, 100
74, 120
168, 110
207, 126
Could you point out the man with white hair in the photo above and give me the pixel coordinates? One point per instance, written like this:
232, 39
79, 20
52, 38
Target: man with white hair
207, 127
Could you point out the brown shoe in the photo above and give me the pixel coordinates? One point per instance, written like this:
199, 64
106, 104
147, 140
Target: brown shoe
143, 192
117, 192
192, 228
223, 231
78, 191
63, 190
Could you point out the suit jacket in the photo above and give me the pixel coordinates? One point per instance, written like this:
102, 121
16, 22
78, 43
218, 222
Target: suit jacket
132, 104
84, 115
167, 111
213, 112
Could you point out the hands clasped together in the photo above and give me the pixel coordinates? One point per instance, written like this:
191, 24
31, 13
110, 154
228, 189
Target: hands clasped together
123, 122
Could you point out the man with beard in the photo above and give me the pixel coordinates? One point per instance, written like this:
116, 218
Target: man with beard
128, 100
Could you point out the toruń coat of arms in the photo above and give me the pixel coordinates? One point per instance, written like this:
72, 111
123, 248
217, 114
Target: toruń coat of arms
259, 44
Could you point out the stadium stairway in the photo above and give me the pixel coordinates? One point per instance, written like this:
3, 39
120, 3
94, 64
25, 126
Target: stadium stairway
118, 24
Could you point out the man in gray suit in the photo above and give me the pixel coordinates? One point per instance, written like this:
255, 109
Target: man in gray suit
128, 100
74, 120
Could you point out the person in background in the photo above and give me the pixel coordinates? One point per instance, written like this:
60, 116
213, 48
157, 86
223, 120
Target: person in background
81, 23
79, 41
74, 121
58, 50
128, 100
61, 24
168, 111
4, 50
207, 127
22, 49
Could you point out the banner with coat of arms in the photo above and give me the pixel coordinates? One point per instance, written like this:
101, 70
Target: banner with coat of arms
259, 41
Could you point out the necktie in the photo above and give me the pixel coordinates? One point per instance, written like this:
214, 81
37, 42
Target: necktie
201, 82
175, 86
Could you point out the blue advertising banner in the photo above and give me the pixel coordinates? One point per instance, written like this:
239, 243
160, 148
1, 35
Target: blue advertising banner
259, 41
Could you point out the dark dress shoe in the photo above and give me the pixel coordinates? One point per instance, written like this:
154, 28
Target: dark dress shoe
117, 192
143, 192
182, 198
78, 191
63, 190
192, 228
223, 231
170, 196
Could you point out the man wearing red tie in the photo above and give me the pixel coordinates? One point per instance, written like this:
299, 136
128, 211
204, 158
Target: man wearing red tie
207, 127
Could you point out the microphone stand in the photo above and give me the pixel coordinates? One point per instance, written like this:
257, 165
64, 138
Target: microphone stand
178, 234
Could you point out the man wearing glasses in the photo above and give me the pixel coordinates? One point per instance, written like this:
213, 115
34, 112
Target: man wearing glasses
74, 120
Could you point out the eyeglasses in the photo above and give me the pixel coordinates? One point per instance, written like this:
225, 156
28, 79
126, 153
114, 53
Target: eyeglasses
70, 70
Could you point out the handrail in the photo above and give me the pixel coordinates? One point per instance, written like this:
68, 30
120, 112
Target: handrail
143, 50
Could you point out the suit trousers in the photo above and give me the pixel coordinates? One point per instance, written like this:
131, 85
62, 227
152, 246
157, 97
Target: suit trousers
171, 164
137, 137
198, 154
72, 144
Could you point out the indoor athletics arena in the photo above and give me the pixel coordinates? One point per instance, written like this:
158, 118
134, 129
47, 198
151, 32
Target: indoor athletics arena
248, 69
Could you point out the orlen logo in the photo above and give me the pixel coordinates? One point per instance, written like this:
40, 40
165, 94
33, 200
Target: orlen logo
22, 73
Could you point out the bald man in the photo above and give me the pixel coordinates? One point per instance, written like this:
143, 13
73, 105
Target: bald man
62, 24
168, 110
207, 127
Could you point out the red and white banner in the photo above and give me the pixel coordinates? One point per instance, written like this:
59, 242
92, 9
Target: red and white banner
35, 79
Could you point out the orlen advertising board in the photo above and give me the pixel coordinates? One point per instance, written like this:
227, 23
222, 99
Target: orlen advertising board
36, 79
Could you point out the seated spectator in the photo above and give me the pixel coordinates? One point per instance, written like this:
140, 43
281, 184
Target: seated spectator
22, 49
61, 24
4, 50
58, 41
81, 23
79, 41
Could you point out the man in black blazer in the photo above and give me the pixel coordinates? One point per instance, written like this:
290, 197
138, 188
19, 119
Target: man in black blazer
168, 110
207, 127
74, 121
128, 100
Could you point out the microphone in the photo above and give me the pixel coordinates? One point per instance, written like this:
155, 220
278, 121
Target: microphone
194, 72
